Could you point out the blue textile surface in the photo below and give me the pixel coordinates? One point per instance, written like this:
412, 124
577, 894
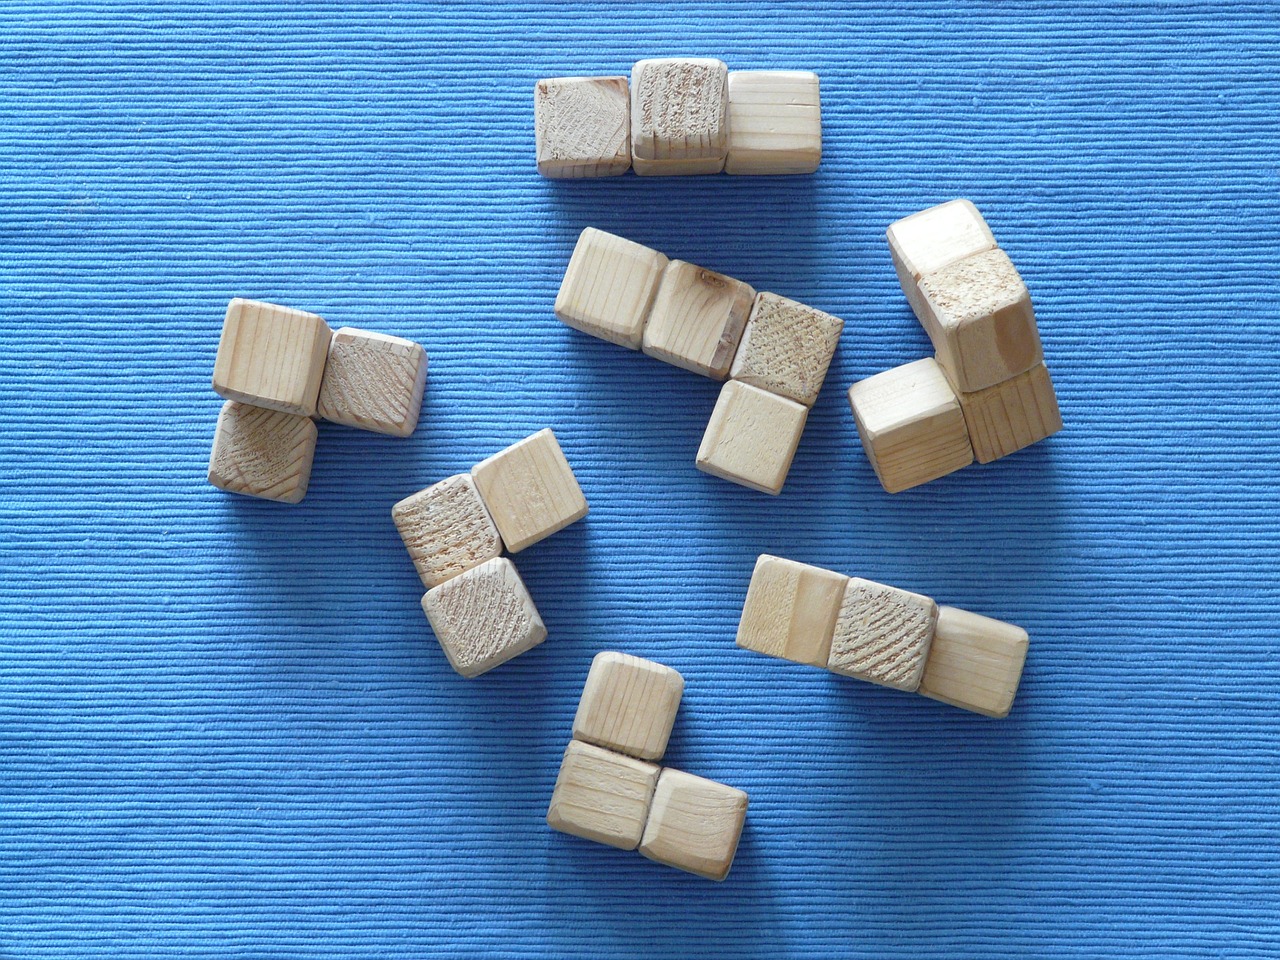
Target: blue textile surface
225, 728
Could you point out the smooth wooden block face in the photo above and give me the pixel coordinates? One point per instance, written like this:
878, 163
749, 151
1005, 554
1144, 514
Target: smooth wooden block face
262, 453
679, 116
936, 238
629, 705
1011, 415
271, 356
609, 286
483, 617
791, 610
446, 529
786, 348
911, 425
697, 319
752, 437
373, 381
775, 122
975, 662
602, 796
694, 824
882, 634
582, 126
530, 490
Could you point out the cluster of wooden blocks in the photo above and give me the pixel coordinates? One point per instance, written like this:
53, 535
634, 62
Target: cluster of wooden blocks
680, 116
278, 368
776, 351
986, 393
611, 791
455, 532
881, 634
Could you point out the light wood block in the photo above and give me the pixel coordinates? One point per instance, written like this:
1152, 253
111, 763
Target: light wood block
1011, 415
697, 319
775, 122
911, 425
752, 437
271, 356
975, 662
582, 126
882, 634
629, 705
530, 490
786, 348
791, 610
935, 238
373, 381
447, 529
679, 116
694, 824
609, 286
262, 453
483, 617
602, 796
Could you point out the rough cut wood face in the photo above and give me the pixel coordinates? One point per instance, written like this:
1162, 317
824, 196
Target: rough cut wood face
786, 348
373, 381
791, 610
530, 490
271, 356
609, 286
775, 122
262, 453
1011, 415
936, 238
697, 319
446, 529
975, 662
602, 795
582, 126
679, 116
752, 437
694, 824
629, 705
882, 634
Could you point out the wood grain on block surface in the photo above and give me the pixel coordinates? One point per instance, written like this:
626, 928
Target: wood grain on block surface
629, 705
752, 437
582, 126
697, 319
882, 634
975, 662
271, 356
530, 490
602, 795
262, 453
679, 116
791, 610
609, 286
1011, 415
786, 348
936, 238
694, 824
775, 122
373, 381
447, 529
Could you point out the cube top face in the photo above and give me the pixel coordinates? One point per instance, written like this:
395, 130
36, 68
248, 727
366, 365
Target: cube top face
530, 490
262, 453
902, 398
271, 356
602, 796
694, 824
752, 437
697, 319
883, 634
1011, 415
373, 381
582, 126
937, 237
786, 348
609, 286
975, 662
775, 122
446, 529
629, 705
679, 116
791, 610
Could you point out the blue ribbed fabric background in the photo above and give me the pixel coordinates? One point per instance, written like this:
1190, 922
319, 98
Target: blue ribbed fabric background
225, 728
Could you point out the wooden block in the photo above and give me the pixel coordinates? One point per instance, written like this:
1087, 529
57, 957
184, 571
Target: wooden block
882, 634
582, 126
911, 425
629, 705
446, 529
530, 490
271, 356
791, 610
679, 116
975, 662
609, 286
1011, 415
373, 381
262, 453
752, 437
935, 238
694, 824
602, 795
483, 617
775, 122
697, 319
786, 348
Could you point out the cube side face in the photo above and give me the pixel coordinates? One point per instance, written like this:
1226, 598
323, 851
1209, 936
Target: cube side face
609, 287
602, 796
582, 126
446, 529
752, 437
937, 237
271, 356
262, 453
694, 824
679, 116
697, 319
775, 122
883, 635
1012, 415
530, 490
628, 705
975, 663
373, 382
786, 348
791, 610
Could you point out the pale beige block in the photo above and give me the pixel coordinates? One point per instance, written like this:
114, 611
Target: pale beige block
752, 437
679, 116
483, 617
882, 634
271, 356
786, 348
1011, 415
629, 705
447, 529
373, 381
530, 490
602, 796
582, 126
694, 824
911, 425
609, 286
775, 122
975, 662
791, 610
697, 319
262, 453
936, 238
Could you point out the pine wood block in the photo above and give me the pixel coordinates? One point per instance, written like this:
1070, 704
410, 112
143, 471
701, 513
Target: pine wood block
373, 381
911, 425
1011, 415
791, 610
775, 122
629, 705
530, 490
935, 238
602, 795
882, 634
694, 824
446, 529
786, 348
262, 453
271, 356
697, 319
975, 662
679, 116
609, 286
582, 126
752, 437
483, 617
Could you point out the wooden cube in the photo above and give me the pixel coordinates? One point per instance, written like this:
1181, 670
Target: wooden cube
911, 425
446, 529
694, 824
679, 116
609, 286
262, 453
791, 610
752, 437
935, 238
271, 356
582, 126
786, 348
373, 381
775, 122
530, 490
602, 796
975, 662
483, 617
697, 319
882, 634
629, 705
1011, 415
